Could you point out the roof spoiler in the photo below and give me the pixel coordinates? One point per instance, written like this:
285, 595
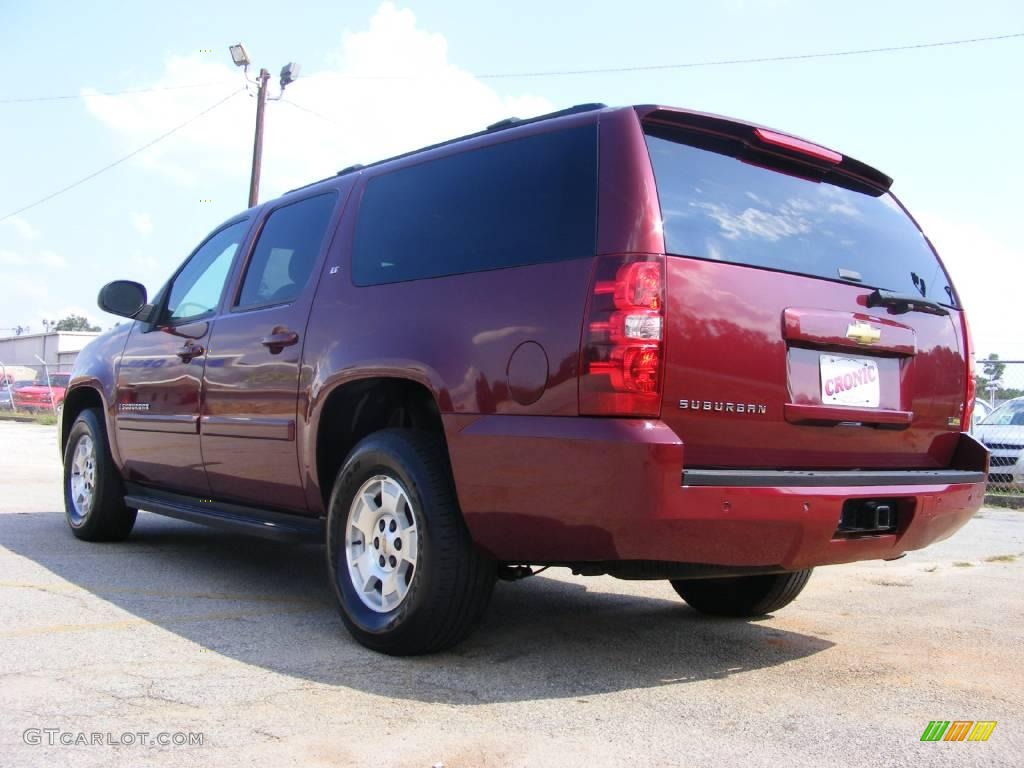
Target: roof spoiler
768, 141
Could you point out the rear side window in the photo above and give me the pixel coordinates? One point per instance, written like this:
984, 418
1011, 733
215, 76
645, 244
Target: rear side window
520, 202
286, 251
715, 206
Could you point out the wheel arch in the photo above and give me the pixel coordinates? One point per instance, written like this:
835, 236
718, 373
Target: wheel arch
357, 407
75, 401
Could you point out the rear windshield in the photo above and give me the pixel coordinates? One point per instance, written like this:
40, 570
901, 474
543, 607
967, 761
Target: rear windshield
715, 206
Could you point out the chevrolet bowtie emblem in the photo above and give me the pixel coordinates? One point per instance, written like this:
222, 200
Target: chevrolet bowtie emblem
863, 333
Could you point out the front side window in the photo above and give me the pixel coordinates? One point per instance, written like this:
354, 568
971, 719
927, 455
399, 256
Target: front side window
196, 290
524, 201
286, 252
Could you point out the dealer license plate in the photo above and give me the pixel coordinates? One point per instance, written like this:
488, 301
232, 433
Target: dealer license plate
849, 381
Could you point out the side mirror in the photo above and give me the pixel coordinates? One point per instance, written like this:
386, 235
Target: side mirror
122, 297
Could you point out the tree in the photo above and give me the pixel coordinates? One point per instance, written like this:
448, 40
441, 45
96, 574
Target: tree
74, 323
993, 369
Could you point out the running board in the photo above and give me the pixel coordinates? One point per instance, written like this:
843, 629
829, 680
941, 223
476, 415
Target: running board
236, 518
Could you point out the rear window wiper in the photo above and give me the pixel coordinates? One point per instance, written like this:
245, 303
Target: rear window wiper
902, 302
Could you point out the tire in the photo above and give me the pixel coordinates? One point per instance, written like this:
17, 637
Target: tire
93, 492
742, 596
421, 585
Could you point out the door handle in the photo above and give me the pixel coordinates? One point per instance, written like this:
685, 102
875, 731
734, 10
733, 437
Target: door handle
279, 339
189, 351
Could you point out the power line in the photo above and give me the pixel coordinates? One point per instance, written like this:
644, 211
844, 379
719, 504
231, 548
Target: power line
128, 91
323, 117
758, 60
130, 155
707, 63
572, 72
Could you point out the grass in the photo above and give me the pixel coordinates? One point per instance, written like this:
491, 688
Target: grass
1010, 499
963, 564
30, 418
1004, 489
1001, 559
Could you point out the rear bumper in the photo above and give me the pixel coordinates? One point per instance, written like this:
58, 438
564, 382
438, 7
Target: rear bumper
572, 490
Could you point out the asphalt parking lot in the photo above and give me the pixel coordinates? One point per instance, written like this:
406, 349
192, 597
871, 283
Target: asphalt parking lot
187, 630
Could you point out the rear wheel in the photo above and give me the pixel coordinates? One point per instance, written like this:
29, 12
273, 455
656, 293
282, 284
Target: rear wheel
93, 494
406, 574
742, 596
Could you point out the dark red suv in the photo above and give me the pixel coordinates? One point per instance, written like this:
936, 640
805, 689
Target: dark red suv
641, 341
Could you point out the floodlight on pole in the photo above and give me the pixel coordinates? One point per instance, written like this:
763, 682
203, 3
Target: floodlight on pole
289, 72
239, 55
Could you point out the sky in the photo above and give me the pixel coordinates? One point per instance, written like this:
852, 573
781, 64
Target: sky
378, 78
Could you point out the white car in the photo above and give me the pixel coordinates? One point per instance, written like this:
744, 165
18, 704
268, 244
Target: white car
1002, 432
981, 410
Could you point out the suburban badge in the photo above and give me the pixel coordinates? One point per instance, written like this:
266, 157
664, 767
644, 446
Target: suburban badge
723, 407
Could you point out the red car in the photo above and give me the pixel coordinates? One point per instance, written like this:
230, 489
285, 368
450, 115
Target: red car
43, 394
640, 341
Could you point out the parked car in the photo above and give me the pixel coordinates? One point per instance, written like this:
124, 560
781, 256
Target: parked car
43, 394
5, 398
640, 341
981, 409
1002, 432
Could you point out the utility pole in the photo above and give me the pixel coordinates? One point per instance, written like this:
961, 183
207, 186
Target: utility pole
289, 72
257, 143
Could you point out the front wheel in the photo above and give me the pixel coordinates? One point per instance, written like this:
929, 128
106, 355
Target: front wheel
406, 575
742, 596
93, 494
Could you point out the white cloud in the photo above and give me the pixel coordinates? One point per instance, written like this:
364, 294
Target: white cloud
45, 258
27, 287
12, 259
52, 260
362, 119
983, 271
22, 228
143, 223
753, 222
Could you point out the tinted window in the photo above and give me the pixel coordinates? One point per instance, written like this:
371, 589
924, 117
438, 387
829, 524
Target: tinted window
196, 290
286, 251
717, 207
520, 202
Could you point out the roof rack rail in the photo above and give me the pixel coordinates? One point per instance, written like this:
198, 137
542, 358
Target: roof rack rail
509, 122
506, 123
501, 125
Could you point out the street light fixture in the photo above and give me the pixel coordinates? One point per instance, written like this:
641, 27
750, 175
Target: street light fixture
288, 75
239, 55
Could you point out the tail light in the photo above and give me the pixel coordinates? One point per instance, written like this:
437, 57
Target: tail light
623, 348
971, 389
